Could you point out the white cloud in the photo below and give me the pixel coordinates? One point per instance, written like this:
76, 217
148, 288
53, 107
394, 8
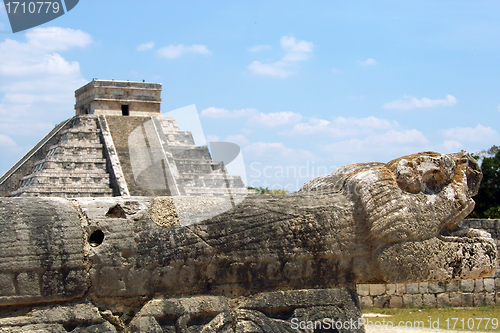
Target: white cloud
145, 46
274, 165
368, 62
468, 134
259, 48
7, 142
379, 147
342, 127
277, 152
410, 102
213, 112
296, 51
212, 138
275, 119
57, 39
412, 136
175, 51
313, 126
254, 117
239, 139
277, 69
37, 55
267, 148
247, 131
452, 146
37, 85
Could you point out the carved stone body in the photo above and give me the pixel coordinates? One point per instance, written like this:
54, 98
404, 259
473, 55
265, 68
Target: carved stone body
371, 222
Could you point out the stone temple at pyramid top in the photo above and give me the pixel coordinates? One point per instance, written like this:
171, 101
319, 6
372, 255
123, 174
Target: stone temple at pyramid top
118, 98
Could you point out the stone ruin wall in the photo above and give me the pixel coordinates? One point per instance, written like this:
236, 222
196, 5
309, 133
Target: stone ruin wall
466, 293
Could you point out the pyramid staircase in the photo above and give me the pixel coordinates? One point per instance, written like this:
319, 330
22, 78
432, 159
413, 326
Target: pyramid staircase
77, 165
74, 167
197, 173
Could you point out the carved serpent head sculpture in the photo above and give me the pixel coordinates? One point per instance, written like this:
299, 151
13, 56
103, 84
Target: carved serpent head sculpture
411, 208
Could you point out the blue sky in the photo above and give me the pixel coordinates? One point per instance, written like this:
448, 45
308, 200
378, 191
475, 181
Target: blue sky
300, 85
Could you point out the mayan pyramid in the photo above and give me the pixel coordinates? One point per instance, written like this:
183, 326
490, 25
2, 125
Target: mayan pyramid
118, 144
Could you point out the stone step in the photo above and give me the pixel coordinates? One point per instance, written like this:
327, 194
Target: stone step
180, 138
69, 187
213, 191
64, 193
85, 121
78, 154
195, 153
72, 159
216, 182
95, 156
70, 192
48, 172
168, 124
197, 166
76, 145
213, 175
76, 130
63, 188
71, 165
77, 134
42, 179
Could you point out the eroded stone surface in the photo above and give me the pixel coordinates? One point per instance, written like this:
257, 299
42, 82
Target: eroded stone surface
411, 208
281, 311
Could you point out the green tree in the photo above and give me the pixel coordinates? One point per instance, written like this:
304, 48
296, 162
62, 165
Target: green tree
488, 198
262, 190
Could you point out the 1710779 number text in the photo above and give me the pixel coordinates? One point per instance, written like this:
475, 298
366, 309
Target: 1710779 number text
470, 323
31, 7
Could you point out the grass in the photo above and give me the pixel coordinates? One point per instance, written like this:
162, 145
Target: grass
470, 316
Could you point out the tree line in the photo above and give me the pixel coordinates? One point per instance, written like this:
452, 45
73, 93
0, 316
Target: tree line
488, 198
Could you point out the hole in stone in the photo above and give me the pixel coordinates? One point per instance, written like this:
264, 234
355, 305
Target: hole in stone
117, 212
96, 238
70, 327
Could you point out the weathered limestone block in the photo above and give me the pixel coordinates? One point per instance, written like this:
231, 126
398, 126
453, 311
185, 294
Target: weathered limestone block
41, 251
436, 287
453, 286
443, 299
281, 311
396, 302
489, 299
489, 285
377, 289
430, 300
7, 287
467, 286
77, 317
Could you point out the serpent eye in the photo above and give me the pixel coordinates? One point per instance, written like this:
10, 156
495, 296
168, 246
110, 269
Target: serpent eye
436, 173
474, 175
433, 181
427, 174
407, 177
